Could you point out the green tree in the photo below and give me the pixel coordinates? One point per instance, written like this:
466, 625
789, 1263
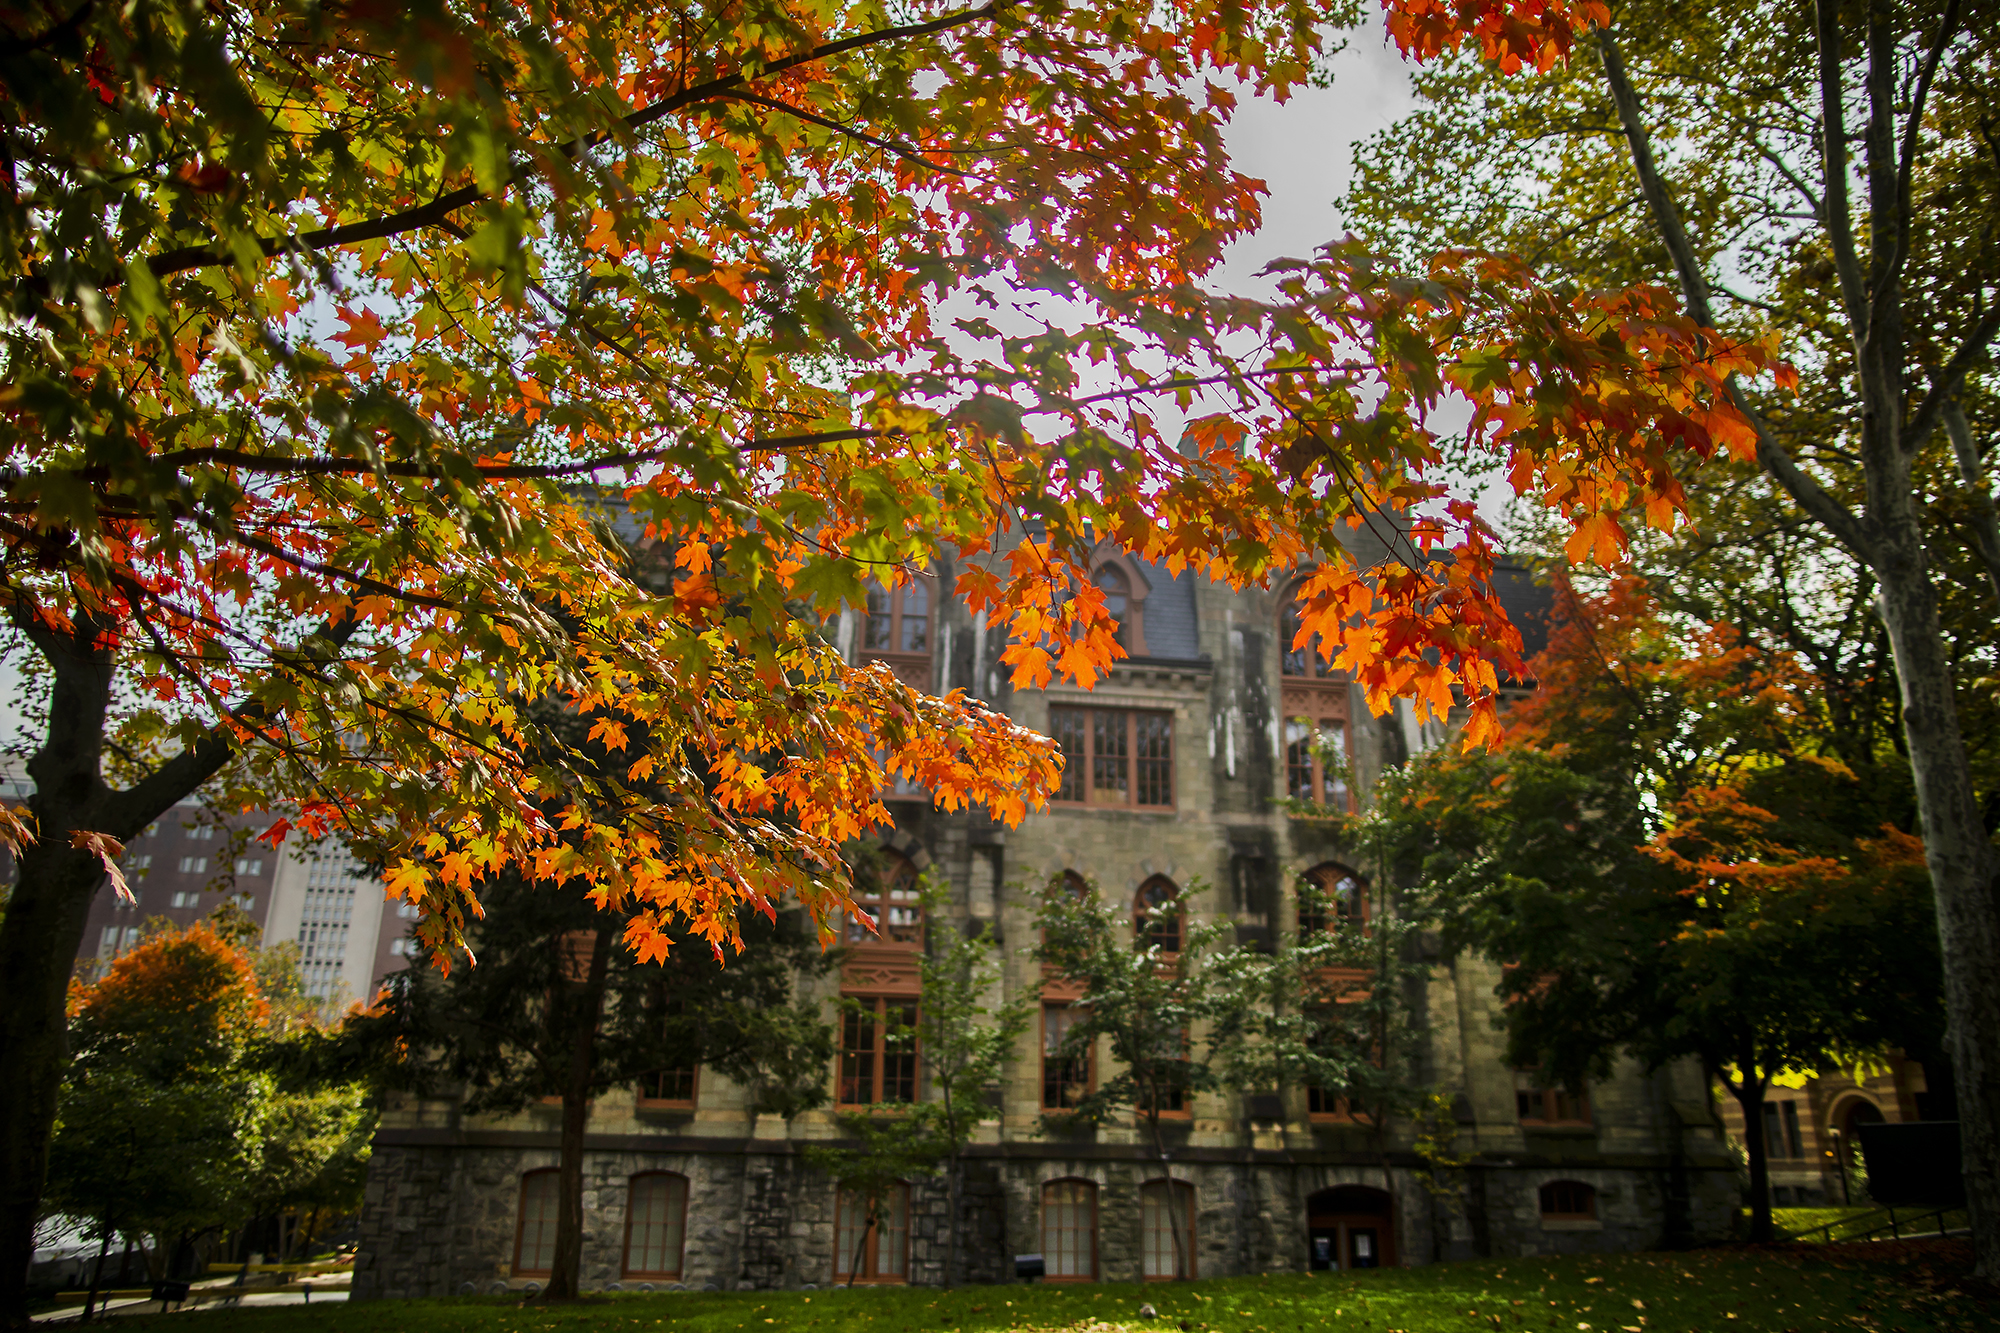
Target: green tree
1824, 172
162, 1118
1151, 998
963, 1039
1667, 869
553, 1008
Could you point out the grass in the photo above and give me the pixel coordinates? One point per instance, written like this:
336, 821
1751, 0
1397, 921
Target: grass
1906, 1288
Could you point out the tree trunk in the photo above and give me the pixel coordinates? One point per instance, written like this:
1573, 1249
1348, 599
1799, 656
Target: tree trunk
50, 905
1965, 879
96, 1276
954, 1191
565, 1271
39, 938
1749, 1094
1963, 862
1183, 1269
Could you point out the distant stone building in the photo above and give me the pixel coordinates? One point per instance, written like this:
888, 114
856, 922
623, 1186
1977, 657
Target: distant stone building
1178, 764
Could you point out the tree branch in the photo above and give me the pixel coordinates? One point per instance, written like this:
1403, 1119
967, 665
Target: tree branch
1985, 524
130, 810
1807, 493
442, 207
1906, 160
1833, 168
1948, 382
903, 151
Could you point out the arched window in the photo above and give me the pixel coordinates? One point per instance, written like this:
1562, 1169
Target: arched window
1117, 590
655, 1224
1305, 661
872, 1249
898, 629
887, 891
1319, 749
535, 1234
1152, 926
1569, 1201
1167, 1229
1069, 1231
1343, 894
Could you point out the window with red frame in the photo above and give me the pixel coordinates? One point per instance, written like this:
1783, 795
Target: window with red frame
1167, 1229
1066, 1079
878, 1051
1152, 924
535, 1233
1308, 775
1541, 1105
655, 1224
887, 890
1568, 1201
872, 1253
1069, 1231
1343, 894
1115, 757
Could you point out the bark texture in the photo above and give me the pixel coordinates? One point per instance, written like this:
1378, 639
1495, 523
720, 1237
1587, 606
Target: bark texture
1887, 535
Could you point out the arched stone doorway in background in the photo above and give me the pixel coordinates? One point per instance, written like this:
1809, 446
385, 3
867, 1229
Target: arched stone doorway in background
1350, 1226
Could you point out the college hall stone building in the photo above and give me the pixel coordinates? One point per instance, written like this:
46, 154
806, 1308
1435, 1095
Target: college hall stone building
1178, 768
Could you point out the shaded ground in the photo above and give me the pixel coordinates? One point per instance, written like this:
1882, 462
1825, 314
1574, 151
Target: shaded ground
1908, 1287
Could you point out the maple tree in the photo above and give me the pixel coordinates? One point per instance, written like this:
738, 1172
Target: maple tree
377, 374
1670, 863
1824, 172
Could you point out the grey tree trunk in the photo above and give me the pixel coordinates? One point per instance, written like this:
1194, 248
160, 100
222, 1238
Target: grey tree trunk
1887, 536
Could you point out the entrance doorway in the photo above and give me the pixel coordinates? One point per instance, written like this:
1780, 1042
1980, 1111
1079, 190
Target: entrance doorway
1350, 1226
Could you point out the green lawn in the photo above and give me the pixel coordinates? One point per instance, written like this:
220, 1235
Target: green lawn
1783, 1290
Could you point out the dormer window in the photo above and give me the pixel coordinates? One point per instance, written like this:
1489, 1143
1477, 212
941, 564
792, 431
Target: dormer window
1124, 590
1117, 590
898, 629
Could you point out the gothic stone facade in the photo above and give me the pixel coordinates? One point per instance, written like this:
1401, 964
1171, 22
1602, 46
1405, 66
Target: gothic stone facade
1199, 751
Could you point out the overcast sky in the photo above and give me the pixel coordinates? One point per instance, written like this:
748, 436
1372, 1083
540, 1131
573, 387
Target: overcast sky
1303, 150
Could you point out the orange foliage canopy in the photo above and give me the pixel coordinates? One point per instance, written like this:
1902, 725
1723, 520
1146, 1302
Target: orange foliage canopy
346, 336
177, 979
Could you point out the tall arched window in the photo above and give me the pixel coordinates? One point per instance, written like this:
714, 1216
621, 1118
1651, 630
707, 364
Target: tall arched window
887, 891
1151, 924
872, 1253
1344, 897
1319, 749
898, 629
1167, 1229
535, 1234
1568, 1201
1069, 1231
1305, 661
1117, 590
655, 1224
